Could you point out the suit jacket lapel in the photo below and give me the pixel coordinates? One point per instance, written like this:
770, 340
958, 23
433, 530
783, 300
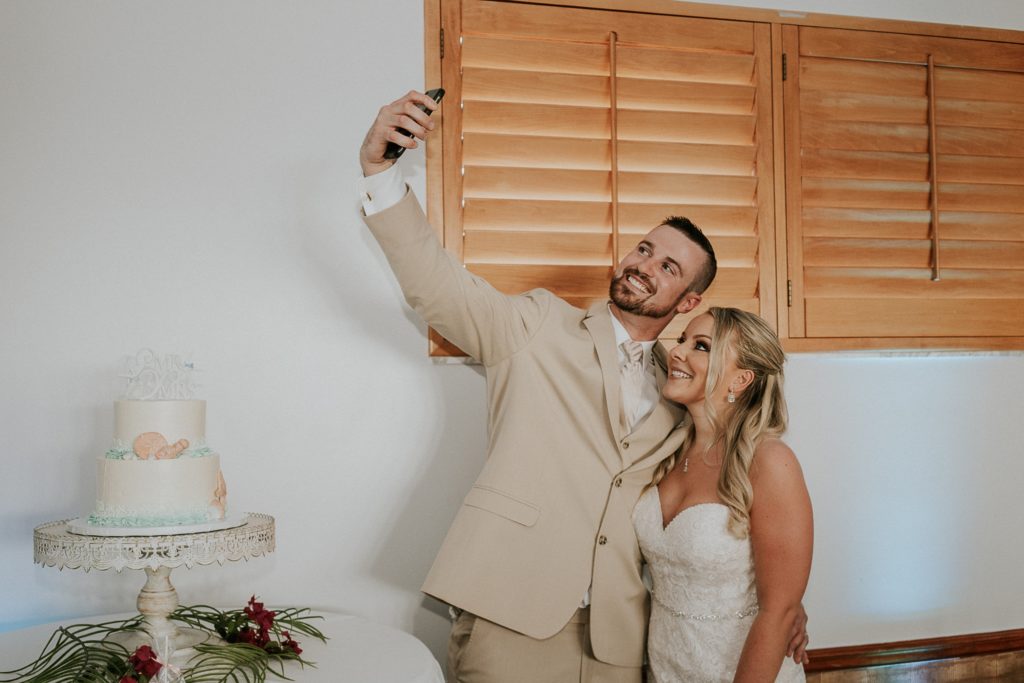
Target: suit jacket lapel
599, 324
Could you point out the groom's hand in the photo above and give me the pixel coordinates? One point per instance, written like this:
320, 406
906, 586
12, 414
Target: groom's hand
402, 113
799, 638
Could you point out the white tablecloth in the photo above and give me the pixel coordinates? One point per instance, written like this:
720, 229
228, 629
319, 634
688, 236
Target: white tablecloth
357, 651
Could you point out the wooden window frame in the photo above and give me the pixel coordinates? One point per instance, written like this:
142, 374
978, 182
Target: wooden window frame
441, 28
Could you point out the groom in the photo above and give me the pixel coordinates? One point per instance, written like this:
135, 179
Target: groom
541, 564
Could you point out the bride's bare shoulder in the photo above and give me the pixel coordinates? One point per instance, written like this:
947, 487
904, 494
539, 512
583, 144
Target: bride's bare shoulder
773, 459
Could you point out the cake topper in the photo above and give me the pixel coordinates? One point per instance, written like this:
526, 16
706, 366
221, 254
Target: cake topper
154, 376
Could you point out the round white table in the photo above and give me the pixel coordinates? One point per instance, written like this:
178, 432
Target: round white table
357, 651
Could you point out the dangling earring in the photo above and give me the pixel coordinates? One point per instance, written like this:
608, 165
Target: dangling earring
731, 398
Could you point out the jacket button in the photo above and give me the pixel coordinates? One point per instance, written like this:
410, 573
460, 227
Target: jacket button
601, 540
618, 482
625, 444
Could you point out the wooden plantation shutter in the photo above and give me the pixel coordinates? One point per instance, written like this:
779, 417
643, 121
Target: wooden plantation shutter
537, 188
905, 185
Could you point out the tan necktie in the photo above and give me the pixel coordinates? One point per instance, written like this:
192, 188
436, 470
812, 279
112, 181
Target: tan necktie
633, 379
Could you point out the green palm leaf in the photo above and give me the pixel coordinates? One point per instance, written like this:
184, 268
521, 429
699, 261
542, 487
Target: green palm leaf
78, 654
296, 620
238, 663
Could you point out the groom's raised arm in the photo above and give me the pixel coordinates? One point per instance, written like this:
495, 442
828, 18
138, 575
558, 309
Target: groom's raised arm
466, 309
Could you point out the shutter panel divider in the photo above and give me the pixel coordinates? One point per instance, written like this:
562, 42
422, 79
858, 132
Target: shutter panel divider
933, 163
764, 172
781, 264
794, 173
614, 113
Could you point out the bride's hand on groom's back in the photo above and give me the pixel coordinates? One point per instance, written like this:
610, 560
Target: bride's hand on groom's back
799, 638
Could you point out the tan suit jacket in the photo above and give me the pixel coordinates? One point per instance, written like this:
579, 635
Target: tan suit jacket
550, 514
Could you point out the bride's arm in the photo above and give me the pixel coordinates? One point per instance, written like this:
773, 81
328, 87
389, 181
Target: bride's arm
781, 535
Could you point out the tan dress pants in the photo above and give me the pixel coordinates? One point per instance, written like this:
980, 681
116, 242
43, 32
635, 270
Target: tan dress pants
480, 651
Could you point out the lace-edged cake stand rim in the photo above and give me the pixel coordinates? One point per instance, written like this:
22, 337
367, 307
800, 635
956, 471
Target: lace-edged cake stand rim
55, 546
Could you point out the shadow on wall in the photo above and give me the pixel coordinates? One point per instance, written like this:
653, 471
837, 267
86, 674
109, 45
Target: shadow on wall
449, 467
347, 267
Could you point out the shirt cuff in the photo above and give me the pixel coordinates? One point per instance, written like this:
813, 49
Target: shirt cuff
382, 190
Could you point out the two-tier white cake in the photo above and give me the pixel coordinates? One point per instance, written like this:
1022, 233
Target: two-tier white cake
159, 471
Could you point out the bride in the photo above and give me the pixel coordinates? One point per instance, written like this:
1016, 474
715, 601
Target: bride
725, 526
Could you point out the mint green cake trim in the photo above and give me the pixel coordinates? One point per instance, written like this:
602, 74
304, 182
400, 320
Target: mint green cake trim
147, 521
119, 452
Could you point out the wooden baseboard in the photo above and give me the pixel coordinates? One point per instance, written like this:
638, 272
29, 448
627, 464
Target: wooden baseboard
908, 651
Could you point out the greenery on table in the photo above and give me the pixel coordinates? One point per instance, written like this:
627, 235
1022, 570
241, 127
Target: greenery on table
79, 653
259, 642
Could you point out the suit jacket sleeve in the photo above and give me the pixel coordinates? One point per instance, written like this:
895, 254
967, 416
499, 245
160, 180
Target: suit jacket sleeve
466, 309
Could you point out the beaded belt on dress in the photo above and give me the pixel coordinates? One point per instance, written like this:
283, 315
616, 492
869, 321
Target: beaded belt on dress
739, 614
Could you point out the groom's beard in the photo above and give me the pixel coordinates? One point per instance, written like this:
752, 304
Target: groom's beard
630, 301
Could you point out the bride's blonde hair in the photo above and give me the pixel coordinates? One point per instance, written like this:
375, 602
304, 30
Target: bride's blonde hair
758, 413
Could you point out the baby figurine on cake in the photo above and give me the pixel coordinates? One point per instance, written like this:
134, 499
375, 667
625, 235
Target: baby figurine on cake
153, 445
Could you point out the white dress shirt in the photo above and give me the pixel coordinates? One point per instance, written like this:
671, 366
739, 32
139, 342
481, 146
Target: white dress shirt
382, 190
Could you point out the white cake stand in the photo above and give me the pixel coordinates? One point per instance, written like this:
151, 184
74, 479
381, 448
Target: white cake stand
56, 546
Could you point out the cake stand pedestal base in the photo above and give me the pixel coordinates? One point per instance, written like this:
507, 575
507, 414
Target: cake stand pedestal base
183, 641
157, 600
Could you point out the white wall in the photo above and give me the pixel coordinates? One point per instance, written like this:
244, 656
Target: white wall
181, 176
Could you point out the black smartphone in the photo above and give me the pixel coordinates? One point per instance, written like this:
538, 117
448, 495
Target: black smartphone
394, 151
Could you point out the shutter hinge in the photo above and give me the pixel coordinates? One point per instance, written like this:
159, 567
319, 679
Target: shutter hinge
789, 293
442, 43
783, 64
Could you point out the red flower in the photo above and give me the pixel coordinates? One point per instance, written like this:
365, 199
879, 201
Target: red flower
128, 679
263, 618
253, 606
260, 634
289, 643
253, 637
144, 661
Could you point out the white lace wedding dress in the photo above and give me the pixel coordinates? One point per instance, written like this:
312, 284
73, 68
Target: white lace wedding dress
703, 600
